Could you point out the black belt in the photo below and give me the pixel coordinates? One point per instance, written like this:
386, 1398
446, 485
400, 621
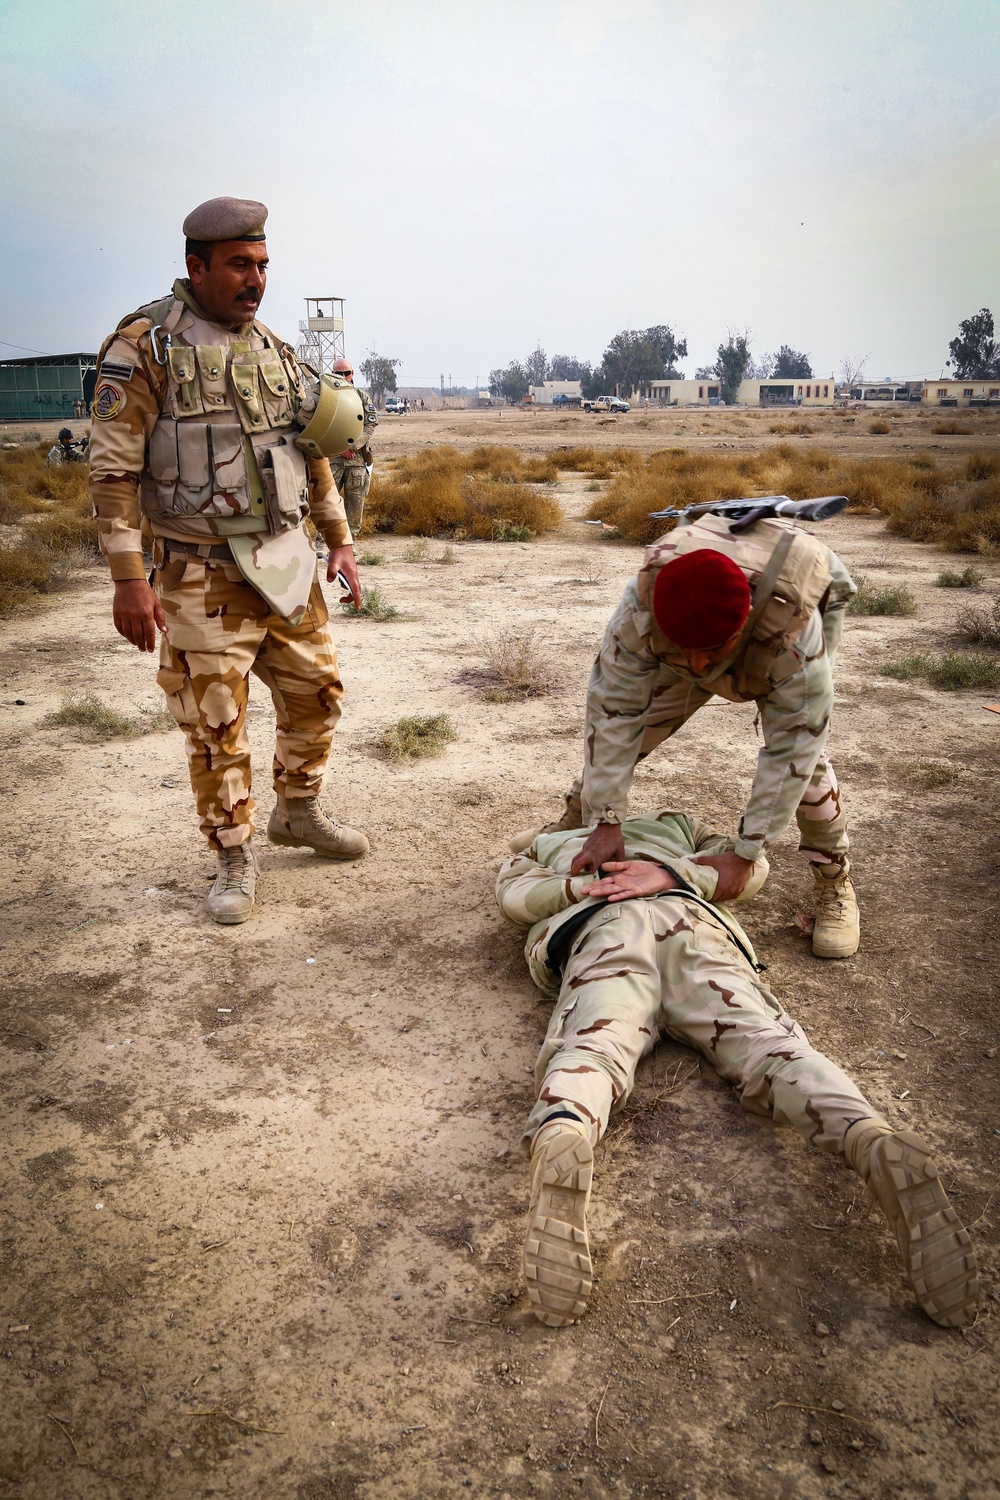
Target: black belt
199, 549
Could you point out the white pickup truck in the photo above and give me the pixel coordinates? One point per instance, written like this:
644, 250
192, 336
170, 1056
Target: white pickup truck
606, 403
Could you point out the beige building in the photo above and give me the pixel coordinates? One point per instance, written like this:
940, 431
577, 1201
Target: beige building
772, 392
546, 393
961, 393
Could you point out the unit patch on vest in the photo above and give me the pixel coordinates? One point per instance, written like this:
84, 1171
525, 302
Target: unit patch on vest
108, 401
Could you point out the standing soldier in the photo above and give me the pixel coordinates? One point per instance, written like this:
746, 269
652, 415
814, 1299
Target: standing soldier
207, 435
352, 469
754, 617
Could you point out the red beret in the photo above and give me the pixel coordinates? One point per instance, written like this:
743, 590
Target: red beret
700, 599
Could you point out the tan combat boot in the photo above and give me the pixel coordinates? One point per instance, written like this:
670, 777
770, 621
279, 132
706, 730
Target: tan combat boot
300, 822
940, 1263
837, 928
231, 898
557, 1266
572, 818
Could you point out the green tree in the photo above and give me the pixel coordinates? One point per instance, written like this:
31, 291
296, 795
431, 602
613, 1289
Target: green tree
731, 362
511, 383
790, 364
379, 375
636, 356
568, 367
975, 354
536, 365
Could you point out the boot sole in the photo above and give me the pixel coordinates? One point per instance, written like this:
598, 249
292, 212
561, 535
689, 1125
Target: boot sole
558, 1269
291, 842
231, 921
834, 950
936, 1249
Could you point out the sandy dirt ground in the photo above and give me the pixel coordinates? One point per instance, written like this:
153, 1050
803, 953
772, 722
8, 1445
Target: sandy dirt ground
263, 1197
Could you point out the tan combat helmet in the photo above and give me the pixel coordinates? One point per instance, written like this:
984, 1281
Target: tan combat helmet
336, 423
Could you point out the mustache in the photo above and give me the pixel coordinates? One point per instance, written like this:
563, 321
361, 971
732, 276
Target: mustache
249, 295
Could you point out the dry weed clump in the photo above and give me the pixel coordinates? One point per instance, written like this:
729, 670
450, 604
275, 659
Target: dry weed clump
486, 493
952, 429
418, 735
882, 599
979, 624
969, 578
947, 669
53, 532
515, 662
957, 508
88, 711
879, 427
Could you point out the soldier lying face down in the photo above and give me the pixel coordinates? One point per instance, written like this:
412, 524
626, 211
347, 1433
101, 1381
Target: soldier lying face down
643, 953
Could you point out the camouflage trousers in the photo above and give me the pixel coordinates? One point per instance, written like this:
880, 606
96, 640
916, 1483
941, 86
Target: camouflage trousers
820, 815
645, 969
218, 631
353, 480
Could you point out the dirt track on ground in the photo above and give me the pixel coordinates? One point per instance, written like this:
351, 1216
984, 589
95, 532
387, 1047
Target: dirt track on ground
261, 1223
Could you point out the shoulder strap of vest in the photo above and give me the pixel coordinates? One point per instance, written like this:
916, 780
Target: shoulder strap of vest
761, 594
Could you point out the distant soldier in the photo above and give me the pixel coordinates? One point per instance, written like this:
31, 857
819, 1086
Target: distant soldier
646, 953
207, 433
352, 469
754, 618
65, 451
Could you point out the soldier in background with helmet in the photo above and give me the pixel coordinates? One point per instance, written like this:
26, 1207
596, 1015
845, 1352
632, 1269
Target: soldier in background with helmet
208, 437
352, 469
65, 451
752, 617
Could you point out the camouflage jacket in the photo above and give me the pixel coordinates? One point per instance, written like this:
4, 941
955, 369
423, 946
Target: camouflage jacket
535, 889
130, 396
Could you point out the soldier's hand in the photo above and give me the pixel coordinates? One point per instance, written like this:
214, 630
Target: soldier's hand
604, 844
342, 561
625, 879
734, 872
138, 614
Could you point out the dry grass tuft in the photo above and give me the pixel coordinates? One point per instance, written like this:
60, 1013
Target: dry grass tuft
952, 429
947, 669
55, 534
486, 493
969, 578
801, 428
927, 772
418, 735
515, 664
879, 427
882, 599
979, 624
374, 606
87, 711
957, 509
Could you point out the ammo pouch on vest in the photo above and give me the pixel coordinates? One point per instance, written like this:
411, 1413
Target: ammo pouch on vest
222, 447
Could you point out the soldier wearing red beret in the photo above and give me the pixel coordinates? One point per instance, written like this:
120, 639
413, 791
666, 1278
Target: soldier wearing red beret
754, 617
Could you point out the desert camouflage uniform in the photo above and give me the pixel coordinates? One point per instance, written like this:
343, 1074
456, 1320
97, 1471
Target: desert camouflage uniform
218, 626
352, 473
649, 967
637, 697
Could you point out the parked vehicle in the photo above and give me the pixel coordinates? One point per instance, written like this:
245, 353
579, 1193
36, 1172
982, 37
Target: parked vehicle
394, 406
606, 403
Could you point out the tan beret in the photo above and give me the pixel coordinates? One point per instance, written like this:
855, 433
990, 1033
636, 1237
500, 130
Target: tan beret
226, 219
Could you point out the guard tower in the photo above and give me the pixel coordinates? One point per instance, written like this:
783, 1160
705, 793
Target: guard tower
321, 333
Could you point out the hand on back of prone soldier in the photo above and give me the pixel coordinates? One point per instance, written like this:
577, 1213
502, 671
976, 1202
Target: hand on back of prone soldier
626, 879
604, 845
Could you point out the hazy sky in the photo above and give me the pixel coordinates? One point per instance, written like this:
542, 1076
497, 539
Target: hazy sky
475, 178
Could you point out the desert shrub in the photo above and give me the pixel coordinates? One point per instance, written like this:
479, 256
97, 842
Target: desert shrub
969, 578
982, 465
88, 711
800, 428
374, 606
979, 624
951, 429
55, 534
515, 662
371, 559
947, 669
485, 493
418, 735
928, 772
879, 427
882, 599
418, 552
448, 556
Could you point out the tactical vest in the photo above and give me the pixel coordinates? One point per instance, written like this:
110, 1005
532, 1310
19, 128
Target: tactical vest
223, 446
764, 657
